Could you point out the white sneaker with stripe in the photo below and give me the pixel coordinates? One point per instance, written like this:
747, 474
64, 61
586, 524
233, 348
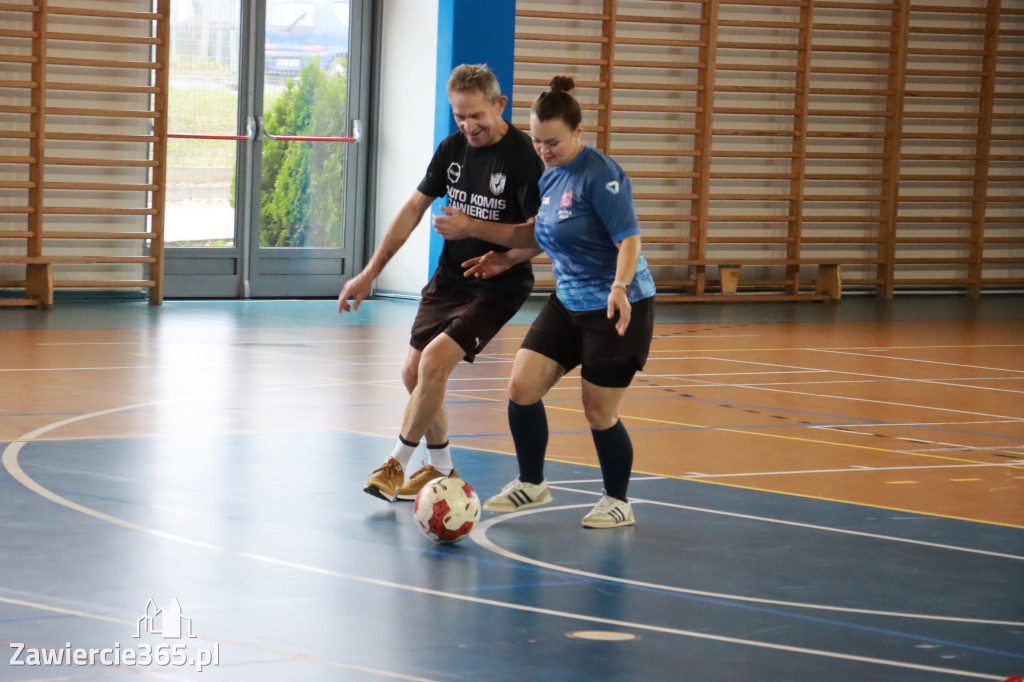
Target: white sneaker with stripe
519, 495
609, 512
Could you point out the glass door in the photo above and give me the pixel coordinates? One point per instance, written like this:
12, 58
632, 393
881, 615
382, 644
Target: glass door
263, 161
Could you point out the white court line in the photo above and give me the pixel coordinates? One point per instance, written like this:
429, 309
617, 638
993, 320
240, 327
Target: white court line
601, 480
848, 398
13, 467
852, 429
740, 374
944, 423
701, 337
879, 381
192, 342
480, 533
856, 468
838, 351
1006, 449
827, 529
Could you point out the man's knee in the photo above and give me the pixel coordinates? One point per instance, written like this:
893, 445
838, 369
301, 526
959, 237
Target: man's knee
410, 373
437, 361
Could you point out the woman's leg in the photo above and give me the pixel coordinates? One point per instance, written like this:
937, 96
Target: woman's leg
614, 447
533, 375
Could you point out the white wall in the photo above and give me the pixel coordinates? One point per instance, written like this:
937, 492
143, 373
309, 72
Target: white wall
405, 131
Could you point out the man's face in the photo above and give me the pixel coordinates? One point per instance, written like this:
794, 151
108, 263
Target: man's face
479, 120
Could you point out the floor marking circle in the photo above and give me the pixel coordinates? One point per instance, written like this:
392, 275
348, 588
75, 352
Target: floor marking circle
10, 462
603, 635
479, 536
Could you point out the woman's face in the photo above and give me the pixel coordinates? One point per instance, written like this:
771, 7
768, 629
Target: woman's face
556, 142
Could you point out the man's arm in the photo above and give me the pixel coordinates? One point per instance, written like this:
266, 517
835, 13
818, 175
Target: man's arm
457, 225
397, 234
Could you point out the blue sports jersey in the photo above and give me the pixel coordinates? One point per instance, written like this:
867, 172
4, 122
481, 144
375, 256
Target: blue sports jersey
586, 207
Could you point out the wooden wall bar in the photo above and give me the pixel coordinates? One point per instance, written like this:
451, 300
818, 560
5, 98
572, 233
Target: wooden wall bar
789, 137
82, 150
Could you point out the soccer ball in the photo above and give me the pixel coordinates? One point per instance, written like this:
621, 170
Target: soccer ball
446, 510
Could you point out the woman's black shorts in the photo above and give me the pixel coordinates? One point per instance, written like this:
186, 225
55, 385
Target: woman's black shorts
589, 339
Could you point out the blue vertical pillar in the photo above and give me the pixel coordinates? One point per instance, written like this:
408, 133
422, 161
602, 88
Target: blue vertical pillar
469, 32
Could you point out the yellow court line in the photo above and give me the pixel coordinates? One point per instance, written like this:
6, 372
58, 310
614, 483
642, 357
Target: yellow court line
766, 490
825, 499
574, 463
755, 433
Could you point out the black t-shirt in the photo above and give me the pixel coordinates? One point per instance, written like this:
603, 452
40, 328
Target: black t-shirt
496, 183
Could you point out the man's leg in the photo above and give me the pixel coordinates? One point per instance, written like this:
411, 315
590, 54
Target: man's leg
427, 374
425, 410
437, 432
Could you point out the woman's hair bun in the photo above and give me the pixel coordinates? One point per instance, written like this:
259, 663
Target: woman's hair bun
562, 84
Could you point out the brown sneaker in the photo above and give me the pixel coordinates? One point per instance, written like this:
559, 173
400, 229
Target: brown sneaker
419, 479
386, 481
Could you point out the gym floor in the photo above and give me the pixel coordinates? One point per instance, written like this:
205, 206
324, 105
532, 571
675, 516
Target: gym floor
822, 491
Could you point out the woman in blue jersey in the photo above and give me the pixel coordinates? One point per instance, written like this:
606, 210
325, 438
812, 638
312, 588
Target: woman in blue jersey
600, 318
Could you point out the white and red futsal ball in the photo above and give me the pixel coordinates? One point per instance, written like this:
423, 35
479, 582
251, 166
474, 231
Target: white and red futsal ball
446, 510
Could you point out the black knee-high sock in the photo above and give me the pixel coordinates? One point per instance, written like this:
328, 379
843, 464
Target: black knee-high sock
615, 453
529, 426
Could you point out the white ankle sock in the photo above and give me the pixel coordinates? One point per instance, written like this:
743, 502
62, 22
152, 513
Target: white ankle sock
403, 452
440, 458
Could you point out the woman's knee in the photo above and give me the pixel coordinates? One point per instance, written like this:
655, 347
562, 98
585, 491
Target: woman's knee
524, 390
601, 417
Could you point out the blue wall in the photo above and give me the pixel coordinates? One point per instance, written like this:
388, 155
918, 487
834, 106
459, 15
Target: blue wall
469, 32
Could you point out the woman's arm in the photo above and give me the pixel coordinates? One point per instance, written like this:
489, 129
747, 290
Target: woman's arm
457, 225
625, 270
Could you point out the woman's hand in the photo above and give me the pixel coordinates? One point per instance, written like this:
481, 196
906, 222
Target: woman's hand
618, 301
491, 264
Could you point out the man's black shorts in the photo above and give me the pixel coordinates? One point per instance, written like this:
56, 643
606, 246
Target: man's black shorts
470, 320
589, 339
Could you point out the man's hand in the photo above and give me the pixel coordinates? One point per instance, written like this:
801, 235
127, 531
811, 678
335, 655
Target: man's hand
356, 289
491, 264
619, 301
454, 224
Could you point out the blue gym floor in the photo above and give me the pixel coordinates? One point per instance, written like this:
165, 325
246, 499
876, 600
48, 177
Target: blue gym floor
177, 471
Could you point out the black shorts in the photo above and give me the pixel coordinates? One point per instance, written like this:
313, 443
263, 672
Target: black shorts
469, 319
589, 339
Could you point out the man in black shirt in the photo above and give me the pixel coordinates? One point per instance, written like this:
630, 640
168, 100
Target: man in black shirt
489, 170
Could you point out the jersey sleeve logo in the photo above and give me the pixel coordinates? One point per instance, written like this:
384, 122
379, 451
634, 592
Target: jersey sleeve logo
454, 172
613, 187
497, 183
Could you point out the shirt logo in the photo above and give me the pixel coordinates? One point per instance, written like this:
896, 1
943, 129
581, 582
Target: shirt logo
545, 201
566, 200
612, 187
454, 172
497, 183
